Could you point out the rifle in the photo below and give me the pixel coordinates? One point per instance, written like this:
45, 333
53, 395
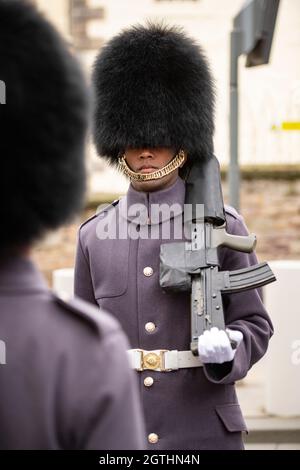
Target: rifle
194, 265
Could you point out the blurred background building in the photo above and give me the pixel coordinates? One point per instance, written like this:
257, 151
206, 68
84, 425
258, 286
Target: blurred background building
269, 94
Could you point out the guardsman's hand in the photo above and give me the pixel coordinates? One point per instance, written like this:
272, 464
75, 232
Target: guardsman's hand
215, 346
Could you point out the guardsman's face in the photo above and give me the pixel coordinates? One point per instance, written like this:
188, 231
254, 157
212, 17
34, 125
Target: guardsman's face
147, 160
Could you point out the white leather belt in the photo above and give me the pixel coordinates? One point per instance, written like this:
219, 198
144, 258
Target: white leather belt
162, 360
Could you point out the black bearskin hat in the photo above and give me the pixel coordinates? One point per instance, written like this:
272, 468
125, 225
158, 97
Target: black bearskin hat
153, 87
42, 127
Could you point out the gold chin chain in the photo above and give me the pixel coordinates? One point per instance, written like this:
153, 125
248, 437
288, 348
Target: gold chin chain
155, 175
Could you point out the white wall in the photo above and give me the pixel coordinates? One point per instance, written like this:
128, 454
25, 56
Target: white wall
56, 11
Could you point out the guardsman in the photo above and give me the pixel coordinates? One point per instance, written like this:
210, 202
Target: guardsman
64, 381
153, 117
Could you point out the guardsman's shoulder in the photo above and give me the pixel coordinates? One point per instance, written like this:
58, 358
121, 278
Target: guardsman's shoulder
87, 221
101, 212
98, 320
229, 210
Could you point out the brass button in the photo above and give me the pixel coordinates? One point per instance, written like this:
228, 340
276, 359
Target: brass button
148, 271
148, 381
153, 438
150, 327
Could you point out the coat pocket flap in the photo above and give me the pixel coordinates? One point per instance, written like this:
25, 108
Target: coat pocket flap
109, 268
231, 416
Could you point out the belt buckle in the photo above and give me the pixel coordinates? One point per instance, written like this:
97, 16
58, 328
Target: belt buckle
152, 360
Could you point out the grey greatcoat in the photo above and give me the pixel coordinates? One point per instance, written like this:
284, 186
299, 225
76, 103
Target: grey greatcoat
65, 384
195, 408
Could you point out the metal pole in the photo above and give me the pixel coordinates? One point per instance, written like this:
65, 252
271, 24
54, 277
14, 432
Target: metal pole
234, 171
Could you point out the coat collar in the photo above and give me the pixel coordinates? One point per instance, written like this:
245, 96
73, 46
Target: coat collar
142, 208
19, 274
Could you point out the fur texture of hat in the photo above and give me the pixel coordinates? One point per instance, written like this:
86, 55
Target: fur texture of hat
153, 87
42, 126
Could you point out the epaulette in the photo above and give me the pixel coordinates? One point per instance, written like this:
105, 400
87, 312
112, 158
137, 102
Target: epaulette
232, 211
100, 321
103, 210
88, 220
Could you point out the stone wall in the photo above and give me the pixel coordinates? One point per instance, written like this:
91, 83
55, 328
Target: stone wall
272, 211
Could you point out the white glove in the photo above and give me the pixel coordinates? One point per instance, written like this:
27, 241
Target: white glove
214, 345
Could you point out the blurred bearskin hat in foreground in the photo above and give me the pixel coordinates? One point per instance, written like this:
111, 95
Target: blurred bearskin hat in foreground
42, 127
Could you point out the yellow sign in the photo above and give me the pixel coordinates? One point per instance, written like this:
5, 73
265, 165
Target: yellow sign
287, 126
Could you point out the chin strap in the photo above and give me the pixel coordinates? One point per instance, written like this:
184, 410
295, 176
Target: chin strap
155, 175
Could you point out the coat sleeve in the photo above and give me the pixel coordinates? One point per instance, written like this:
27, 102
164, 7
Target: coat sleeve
97, 404
112, 417
83, 286
244, 312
